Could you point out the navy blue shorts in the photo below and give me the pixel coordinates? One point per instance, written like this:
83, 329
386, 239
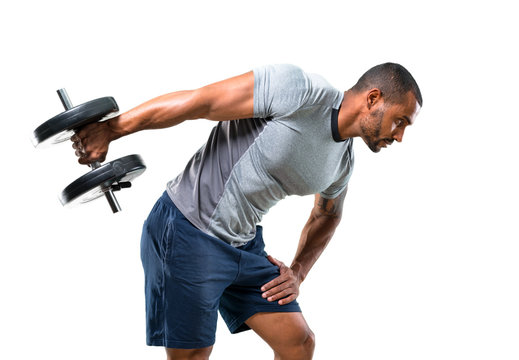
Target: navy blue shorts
190, 276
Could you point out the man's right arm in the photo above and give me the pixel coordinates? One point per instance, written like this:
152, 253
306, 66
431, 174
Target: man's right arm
225, 100
229, 99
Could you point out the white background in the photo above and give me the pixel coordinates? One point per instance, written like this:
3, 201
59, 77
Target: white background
425, 263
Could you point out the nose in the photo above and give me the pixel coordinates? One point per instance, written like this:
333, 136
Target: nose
399, 135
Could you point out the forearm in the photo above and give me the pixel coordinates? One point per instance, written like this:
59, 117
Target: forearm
161, 112
315, 236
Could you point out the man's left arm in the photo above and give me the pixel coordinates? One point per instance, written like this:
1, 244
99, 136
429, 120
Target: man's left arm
316, 234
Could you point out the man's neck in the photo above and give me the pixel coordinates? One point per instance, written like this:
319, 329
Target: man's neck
348, 115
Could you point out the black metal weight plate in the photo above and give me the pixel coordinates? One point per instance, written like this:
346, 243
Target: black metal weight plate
96, 182
60, 127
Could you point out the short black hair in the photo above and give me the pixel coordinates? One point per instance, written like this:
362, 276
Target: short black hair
393, 81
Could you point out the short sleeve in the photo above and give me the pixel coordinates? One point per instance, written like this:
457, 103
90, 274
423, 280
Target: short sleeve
279, 90
341, 183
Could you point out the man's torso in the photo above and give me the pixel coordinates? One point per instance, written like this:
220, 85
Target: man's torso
248, 165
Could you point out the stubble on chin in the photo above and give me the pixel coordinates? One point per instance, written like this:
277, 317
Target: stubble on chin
371, 126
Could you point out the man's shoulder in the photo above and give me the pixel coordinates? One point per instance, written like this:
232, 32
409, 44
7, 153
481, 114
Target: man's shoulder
282, 74
282, 89
281, 68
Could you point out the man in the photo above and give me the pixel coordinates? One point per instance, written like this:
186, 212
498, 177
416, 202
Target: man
201, 248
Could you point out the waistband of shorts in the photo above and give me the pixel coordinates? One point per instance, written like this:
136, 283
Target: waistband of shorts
166, 199
165, 196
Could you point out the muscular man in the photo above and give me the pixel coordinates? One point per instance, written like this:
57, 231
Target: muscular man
280, 132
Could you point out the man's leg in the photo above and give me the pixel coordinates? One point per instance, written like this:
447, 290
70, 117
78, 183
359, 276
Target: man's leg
287, 334
189, 354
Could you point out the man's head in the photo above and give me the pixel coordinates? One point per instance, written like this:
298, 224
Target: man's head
392, 100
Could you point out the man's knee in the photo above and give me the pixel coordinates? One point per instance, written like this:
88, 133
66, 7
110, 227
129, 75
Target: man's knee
308, 344
189, 354
301, 347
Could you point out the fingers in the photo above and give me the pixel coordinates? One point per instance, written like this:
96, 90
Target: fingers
281, 283
287, 300
284, 293
275, 261
85, 156
90, 144
78, 146
272, 284
284, 288
282, 278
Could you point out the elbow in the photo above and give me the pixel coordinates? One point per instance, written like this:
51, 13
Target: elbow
335, 221
199, 104
205, 104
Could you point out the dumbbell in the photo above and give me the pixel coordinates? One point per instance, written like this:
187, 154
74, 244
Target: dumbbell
103, 179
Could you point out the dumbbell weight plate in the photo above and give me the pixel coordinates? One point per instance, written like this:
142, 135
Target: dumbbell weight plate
94, 183
60, 127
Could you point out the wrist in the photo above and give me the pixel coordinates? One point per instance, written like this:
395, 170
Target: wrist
297, 268
117, 127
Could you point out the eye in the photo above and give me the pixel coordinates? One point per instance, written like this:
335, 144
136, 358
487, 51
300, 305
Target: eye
400, 122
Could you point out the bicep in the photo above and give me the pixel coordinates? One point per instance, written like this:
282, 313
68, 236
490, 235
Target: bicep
330, 207
228, 99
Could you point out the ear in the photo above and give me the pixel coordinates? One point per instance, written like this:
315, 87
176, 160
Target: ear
374, 96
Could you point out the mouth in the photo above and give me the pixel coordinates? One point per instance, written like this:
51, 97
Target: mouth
385, 142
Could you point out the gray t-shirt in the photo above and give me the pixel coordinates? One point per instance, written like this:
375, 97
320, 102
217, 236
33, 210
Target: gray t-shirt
290, 147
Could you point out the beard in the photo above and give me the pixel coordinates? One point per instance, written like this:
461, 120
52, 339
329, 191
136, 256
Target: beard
371, 126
